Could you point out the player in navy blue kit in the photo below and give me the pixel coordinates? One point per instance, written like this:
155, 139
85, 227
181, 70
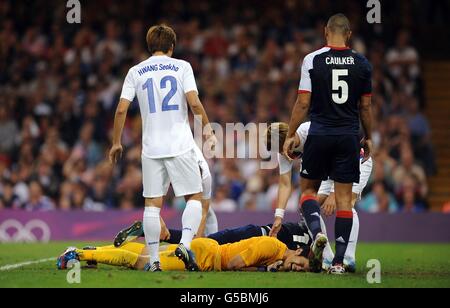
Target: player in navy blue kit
336, 89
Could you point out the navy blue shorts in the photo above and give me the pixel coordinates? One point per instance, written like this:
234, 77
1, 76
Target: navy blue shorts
334, 157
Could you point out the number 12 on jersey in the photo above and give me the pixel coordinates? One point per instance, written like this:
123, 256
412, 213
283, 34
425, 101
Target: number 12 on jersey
148, 85
340, 86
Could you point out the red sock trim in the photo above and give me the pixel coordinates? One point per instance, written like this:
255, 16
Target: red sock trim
344, 214
307, 198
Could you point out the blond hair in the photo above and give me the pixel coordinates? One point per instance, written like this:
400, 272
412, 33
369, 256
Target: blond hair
278, 130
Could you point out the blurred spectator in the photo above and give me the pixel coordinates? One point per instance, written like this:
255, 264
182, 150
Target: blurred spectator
8, 130
60, 85
38, 201
409, 173
221, 203
379, 200
8, 199
403, 58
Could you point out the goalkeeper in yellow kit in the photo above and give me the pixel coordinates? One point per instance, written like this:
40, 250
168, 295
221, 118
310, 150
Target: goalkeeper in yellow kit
258, 253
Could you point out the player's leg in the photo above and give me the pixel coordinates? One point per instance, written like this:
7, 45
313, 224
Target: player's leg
212, 225
314, 170
112, 256
350, 255
207, 219
324, 192
184, 174
156, 184
345, 172
309, 205
344, 220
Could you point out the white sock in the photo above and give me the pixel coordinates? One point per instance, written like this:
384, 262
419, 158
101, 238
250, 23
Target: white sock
152, 230
350, 253
212, 225
191, 219
328, 254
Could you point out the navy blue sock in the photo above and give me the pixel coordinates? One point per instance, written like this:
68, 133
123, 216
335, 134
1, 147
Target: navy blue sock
310, 209
343, 229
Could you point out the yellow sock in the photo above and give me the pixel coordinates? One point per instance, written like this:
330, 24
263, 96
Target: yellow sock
116, 256
131, 247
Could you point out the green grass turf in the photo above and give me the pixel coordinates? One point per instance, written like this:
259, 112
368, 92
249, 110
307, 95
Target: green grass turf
403, 265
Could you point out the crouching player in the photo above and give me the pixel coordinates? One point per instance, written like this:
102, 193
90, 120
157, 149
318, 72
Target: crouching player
255, 254
278, 131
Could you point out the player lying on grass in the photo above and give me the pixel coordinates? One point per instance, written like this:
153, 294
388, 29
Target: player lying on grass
255, 254
326, 191
293, 235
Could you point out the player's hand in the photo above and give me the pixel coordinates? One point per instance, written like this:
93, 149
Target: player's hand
275, 267
368, 150
115, 153
276, 227
165, 233
329, 206
288, 147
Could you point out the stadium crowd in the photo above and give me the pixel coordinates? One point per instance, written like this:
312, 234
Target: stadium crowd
60, 84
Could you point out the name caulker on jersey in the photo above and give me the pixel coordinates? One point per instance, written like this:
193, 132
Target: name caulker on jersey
340, 60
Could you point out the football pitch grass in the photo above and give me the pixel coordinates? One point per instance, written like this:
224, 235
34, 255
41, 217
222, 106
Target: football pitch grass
402, 265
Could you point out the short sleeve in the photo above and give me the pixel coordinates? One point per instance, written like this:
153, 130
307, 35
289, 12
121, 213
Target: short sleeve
284, 164
189, 83
305, 79
129, 87
302, 132
367, 80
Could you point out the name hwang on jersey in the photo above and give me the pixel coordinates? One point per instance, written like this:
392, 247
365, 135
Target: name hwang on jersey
156, 67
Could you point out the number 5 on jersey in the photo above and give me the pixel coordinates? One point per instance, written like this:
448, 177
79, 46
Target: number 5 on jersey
340, 86
148, 85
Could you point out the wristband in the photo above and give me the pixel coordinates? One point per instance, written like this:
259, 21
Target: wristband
279, 213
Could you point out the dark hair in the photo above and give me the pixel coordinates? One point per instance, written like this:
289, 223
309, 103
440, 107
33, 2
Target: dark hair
339, 23
161, 38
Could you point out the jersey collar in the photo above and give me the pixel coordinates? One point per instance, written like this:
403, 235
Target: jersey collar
337, 48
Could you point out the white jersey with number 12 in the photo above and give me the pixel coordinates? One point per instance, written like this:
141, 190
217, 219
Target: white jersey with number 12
160, 84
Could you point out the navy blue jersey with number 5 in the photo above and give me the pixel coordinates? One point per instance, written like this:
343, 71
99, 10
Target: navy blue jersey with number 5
337, 79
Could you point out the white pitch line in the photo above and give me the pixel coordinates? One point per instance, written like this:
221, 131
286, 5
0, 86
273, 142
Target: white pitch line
18, 265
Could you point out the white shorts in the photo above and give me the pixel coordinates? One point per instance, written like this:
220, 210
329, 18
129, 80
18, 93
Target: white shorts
182, 172
327, 187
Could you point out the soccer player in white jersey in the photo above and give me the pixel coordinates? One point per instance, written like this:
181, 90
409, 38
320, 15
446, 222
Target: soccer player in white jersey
326, 195
164, 87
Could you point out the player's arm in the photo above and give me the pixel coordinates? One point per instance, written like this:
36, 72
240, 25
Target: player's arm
299, 113
126, 97
198, 110
238, 264
301, 107
365, 111
201, 228
284, 192
119, 122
